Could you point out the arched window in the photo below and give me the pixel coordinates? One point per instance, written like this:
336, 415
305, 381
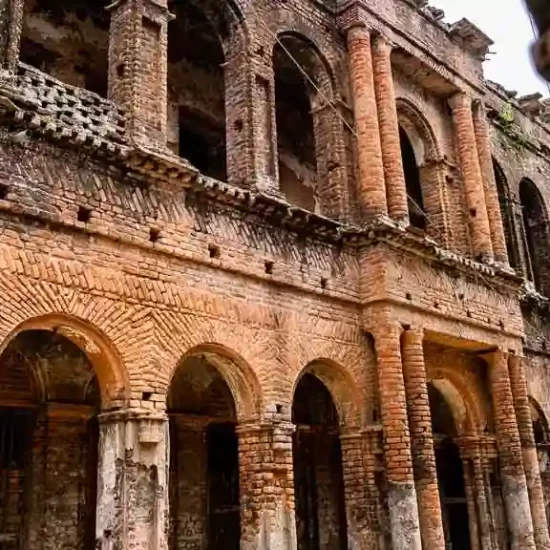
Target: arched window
311, 164
69, 40
535, 232
507, 214
196, 89
412, 181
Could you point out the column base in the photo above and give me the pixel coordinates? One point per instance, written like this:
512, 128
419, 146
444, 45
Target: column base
403, 508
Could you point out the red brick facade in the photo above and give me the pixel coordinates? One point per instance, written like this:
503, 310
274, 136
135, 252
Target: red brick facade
273, 275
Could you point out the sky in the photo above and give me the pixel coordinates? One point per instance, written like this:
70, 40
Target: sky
506, 22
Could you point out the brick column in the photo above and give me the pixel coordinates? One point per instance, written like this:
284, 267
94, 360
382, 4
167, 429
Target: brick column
132, 496
483, 144
530, 458
396, 190
402, 502
266, 479
372, 189
420, 425
11, 23
361, 528
138, 42
514, 484
471, 173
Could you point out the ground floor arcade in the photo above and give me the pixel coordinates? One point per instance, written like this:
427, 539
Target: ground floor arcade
207, 472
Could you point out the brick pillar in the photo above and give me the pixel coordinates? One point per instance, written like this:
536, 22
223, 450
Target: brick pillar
396, 190
483, 144
138, 42
132, 496
530, 458
11, 23
476, 492
266, 479
514, 484
264, 136
420, 424
471, 174
372, 189
402, 502
361, 527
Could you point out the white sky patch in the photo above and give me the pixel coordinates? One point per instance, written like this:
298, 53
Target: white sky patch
507, 23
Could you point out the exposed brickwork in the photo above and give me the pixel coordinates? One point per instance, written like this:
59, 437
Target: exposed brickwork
420, 424
372, 191
205, 260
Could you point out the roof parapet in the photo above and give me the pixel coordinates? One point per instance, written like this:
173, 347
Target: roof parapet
474, 39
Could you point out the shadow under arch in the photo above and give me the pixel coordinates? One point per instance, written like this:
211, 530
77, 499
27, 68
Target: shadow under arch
413, 121
107, 363
465, 410
535, 225
341, 386
541, 427
236, 373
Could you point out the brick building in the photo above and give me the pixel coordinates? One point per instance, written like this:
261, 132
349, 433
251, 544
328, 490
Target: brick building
273, 275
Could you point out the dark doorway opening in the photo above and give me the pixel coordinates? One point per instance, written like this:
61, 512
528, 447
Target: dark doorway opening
412, 181
318, 474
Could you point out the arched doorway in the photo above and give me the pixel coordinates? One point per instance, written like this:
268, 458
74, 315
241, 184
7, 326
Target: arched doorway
507, 214
415, 200
535, 225
69, 40
49, 399
196, 86
318, 475
204, 461
450, 474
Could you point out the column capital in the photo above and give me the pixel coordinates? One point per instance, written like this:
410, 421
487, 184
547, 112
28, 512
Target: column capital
382, 43
358, 27
460, 100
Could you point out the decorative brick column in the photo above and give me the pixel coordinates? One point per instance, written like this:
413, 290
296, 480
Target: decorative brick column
514, 484
132, 498
420, 425
266, 479
372, 189
483, 144
530, 458
461, 106
396, 190
11, 23
138, 43
402, 502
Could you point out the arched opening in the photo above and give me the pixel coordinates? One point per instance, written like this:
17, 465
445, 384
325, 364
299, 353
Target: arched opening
69, 40
535, 225
295, 99
318, 474
542, 436
204, 461
450, 473
49, 399
507, 215
196, 88
412, 181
